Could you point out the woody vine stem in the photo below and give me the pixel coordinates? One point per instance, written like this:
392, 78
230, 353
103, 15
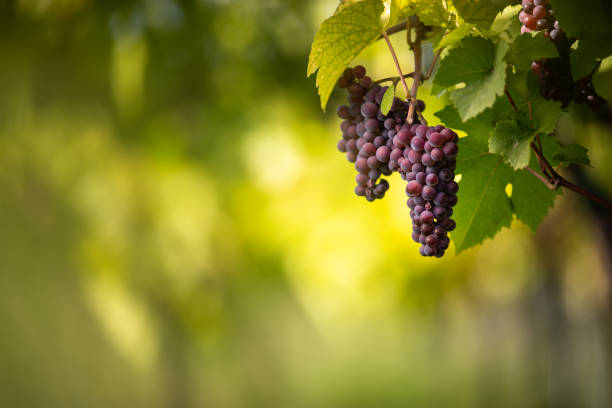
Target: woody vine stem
551, 178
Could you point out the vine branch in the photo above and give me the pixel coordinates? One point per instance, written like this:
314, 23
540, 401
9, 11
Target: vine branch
415, 46
394, 79
554, 180
396, 61
393, 29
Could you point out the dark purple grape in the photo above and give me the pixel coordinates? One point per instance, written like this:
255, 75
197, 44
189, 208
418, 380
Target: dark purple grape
361, 165
359, 71
431, 179
372, 125
452, 187
417, 144
428, 193
369, 110
450, 150
413, 188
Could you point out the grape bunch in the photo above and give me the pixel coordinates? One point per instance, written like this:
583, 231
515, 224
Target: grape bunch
537, 16
425, 157
555, 78
380, 144
556, 82
367, 133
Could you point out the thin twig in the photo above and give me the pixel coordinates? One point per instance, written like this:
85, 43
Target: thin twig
511, 100
571, 186
397, 65
555, 180
530, 111
415, 46
394, 29
433, 64
394, 78
542, 179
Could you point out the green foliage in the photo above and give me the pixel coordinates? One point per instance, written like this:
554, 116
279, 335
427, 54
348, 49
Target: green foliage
483, 207
587, 52
387, 100
583, 18
478, 64
430, 12
493, 96
530, 47
572, 154
339, 39
481, 13
506, 21
602, 80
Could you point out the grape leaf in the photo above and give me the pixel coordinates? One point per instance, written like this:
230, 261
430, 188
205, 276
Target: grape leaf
480, 12
477, 128
478, 63
531, 199
513, 142
454, 36
483, 207
587, 52
387, 100
340, 39
602, 80
506, 20
512, 137
530, 47
572, 154
430, 12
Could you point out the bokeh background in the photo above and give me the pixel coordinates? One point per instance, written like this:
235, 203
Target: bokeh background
177, 229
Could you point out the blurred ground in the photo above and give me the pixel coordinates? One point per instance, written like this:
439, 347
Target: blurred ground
177, 229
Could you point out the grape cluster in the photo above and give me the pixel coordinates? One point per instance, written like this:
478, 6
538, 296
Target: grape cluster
425, 157
537, 16
380, 144
556, 82
555, 78
367, 133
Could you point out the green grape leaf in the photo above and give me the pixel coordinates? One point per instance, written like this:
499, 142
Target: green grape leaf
455, 35
602, 80
572, 154
430, 12
477, 128
545, 115
531, 199
507, 20
514, 131
340, 39
480, 12
578, 19
483, 207
530, 47
513, 142
387, 100
587, 52
478, 63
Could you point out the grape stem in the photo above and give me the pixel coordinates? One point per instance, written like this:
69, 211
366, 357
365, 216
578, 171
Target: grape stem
431, 67
510, 99
397, 65
415, 46
554, 180
394, 79
393, 29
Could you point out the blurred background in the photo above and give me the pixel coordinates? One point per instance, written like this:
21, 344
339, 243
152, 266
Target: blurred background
177, 229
